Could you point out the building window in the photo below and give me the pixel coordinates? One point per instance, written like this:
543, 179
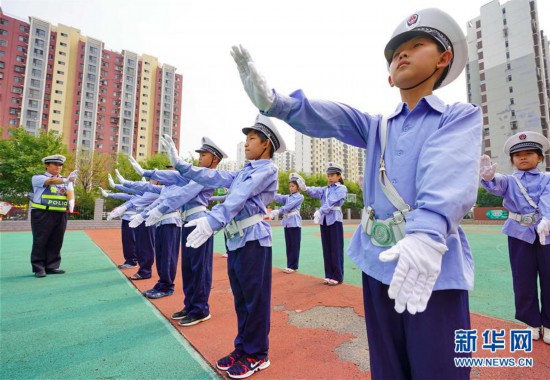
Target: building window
510, 90
509, 78
511, 100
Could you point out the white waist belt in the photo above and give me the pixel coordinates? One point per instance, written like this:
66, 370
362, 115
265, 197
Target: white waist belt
129, 213
295, 212
235, 227
336, 208
524, 219
175, 214
191, 211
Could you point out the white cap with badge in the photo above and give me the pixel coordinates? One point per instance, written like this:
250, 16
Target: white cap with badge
54, 159
267, 127
527, 140
441, 27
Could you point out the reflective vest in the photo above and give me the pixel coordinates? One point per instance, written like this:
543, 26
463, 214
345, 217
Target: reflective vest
54, 198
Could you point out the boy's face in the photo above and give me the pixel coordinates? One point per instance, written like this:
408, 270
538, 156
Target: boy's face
333, 178
254, 148
206, 159
416, 60
526, 160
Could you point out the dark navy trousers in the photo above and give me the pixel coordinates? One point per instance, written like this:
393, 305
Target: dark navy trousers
167, 249
145, 249
48, 231
293, 238
529, 261
128, 243
249, 269
332, 238
420, 346
196, 274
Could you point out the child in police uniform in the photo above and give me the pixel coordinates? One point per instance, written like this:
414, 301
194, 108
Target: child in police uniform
526, 196
128, 235
249, 263
292, 222
420, 180
196, 263
329, 217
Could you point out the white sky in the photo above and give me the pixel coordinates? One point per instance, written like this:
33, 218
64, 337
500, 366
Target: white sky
332, 49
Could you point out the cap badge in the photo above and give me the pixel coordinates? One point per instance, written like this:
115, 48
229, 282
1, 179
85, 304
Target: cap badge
522, 136
412, 20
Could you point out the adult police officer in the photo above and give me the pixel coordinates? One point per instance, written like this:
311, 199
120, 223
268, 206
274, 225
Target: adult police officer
52, 196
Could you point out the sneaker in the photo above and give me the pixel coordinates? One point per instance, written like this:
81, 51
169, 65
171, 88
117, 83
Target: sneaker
227, 361
246, 366
333, 283
190, 321
126, 266
326, 281
289, 270
225, 255
546, 337
535, 332
180, 314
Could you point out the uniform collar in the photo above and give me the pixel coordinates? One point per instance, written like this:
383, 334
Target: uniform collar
521, 173
431, 101
257, 163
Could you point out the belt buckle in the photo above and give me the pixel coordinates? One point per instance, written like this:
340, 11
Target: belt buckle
382, 233
528, 220
231, 229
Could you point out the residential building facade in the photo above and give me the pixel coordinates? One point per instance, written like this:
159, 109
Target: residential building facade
507, 74
53, 78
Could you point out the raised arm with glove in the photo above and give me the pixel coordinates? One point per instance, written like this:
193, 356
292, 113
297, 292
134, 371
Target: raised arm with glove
254, 83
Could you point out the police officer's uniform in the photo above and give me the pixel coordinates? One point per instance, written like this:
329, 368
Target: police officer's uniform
48, 220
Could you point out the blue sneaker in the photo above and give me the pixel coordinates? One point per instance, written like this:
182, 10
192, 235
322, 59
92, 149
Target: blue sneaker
227, 361
246, 366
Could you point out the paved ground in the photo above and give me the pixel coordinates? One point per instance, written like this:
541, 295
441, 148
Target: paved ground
317, 331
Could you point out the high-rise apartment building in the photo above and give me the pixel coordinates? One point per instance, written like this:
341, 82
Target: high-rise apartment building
53, 78
507, 74
312, 155
285, 161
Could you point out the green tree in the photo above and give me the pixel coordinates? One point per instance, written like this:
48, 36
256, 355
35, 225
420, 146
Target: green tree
486, 199
157, 161
21, 157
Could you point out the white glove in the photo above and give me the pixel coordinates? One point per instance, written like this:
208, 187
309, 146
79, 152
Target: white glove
274, 214
137, 167
104, 194
200, 234
417, 270
486, 169
135, 220
170, 147
317, 217
254, 83
71, 205
143, 179
543, 229
111, 181
116, 213
300, 181
119, 176
72, 177
153, 217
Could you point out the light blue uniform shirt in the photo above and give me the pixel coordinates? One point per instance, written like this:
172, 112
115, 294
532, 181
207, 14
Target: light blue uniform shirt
432, 158
537, 185
250, 190
331, 196
124, 197
291, 202
166, 177
139, 202
38, 186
